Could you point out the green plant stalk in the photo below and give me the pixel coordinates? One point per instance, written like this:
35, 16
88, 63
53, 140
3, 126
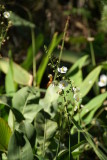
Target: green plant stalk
34, 59
69, 130
58, 146
62, 46
60, 130
96, 89
92, 54
79, 123
44, 139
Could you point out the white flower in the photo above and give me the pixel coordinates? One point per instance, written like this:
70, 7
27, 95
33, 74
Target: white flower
62, 69
77, 97
63, 84
76, 89
6, 14
103, 81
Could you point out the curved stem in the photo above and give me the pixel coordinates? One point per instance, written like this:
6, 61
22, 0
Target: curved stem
62, 46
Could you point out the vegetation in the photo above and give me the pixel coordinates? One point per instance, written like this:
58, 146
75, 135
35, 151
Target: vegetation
53, 80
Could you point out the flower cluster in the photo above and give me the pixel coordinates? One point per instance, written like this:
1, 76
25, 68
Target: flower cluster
62, 83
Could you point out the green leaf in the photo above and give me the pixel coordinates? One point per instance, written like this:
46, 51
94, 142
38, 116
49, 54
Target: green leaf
27, 103
104, 65
20, 75
29, 131
49, 102
19, 117
77, 77
89, 139
92, 106
89, 81
11, 120
78, 64
45, 128
19, 147
9, 79
27, 64
18, 21
55, 41
65, 152
5, 133
69, 56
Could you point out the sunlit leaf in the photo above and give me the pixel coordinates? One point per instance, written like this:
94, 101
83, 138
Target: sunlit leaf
92, 106
89, 81
20, 75
5, 133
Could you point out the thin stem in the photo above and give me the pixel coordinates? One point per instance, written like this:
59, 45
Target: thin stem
62, 46
96, 89
69, 129
60, 132
79, 122
44, 139
92, 54
34, 60
58, 147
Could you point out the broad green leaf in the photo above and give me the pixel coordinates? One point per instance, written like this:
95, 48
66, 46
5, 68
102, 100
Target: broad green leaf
94, 104
49, 102
20, 75
28, 130
19, 147
18, 115
55, 41
89, 117
27, 64
45, 128
5, 133
9, 79
27, 103
89, 81
18, 21
78, 64
77, 77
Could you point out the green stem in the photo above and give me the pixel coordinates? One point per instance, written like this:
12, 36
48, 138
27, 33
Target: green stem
44, 139
69, 130
62, 46
79, 122
92, 54
34, 60
58, 147
96, 89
